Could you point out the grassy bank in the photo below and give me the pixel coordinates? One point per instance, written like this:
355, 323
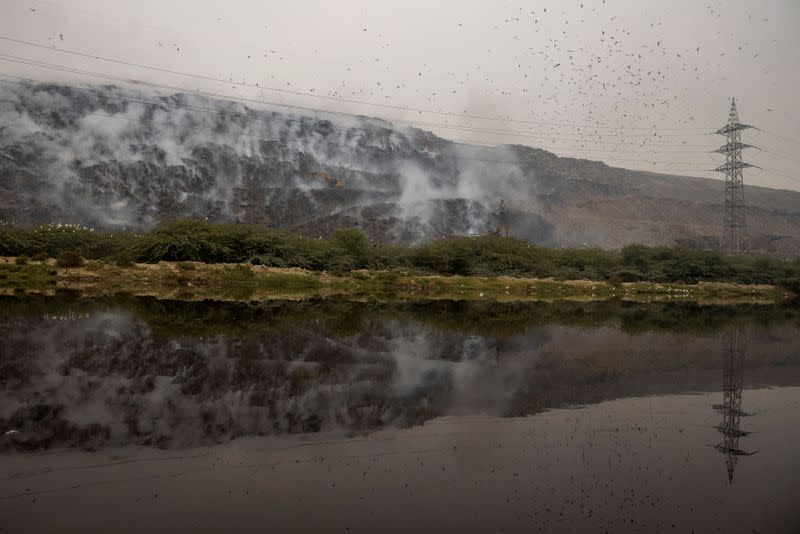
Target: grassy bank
348, 250
197, 281
218, 257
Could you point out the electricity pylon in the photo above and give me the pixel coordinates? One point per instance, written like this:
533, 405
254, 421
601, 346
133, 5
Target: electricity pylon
734, 234
734, 346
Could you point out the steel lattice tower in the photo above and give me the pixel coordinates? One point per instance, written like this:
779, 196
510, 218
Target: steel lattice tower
734, 237
734, 346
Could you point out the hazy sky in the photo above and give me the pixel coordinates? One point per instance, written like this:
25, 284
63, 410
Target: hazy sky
561, 75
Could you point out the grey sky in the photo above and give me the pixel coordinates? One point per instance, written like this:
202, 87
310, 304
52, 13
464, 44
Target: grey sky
614, 63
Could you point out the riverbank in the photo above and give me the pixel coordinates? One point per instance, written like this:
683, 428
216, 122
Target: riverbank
221, 281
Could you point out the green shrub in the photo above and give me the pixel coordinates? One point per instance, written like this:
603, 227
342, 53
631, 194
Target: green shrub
348, 249
21, 260
192, 240
185, 266
68, 259
39, 256
351, 241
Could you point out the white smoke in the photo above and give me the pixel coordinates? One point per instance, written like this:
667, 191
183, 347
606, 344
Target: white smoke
101, 131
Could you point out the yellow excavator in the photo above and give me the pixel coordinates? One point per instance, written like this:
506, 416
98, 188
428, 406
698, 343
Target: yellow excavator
328, 178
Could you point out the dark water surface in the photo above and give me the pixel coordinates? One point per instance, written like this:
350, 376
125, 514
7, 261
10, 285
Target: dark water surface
137, 414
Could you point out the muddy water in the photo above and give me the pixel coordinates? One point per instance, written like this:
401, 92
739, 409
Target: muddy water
135, 414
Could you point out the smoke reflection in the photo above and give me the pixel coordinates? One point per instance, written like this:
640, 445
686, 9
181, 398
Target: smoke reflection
82, 376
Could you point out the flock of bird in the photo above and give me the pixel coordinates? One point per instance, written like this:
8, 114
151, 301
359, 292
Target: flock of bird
586, 71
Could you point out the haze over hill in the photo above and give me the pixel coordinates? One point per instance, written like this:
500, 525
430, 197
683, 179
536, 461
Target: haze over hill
110, 157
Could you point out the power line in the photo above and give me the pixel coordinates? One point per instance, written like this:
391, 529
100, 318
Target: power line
452, 157
779, 136
517, 133
174, 105
270, 119
328, 97
327, 143
780, 154
778, 173
82, 72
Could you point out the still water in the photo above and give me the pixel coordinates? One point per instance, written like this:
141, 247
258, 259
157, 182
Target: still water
131, 414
